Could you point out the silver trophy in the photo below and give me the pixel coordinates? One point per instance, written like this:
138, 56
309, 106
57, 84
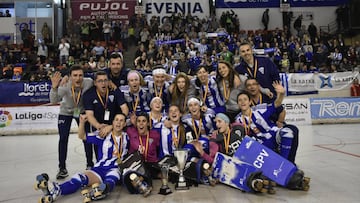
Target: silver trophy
165, 190
181, 156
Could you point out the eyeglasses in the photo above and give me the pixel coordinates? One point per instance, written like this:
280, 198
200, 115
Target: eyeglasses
102, 81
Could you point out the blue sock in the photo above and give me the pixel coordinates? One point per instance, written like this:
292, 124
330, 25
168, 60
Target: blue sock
75, 183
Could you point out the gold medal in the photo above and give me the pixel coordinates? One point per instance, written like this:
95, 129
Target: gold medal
119, 161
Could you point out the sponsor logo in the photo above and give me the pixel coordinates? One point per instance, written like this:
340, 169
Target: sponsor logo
35, 90
333, 109
5, 118
325, 81
104, 6
35, 116
173, 7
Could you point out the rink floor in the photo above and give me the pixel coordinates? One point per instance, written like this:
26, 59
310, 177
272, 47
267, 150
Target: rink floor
329, 154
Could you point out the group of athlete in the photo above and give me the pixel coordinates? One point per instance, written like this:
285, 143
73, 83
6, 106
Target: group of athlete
120, 114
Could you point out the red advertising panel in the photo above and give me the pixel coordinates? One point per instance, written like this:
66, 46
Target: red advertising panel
91, 9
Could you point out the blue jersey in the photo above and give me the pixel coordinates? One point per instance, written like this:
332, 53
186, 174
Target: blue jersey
213, 98
260, 119
156, 124
206, 123
264, 71
170, 139
98, 104
108, 152
162, 92
137, 102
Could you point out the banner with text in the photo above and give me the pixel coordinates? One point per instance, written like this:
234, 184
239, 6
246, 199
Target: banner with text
276, 3
310, 83
92, 9
334, 81
165, 8
297, 111
31, 93
29, 120
335, 108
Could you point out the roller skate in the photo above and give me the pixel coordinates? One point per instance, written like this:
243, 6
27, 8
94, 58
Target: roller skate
139, 183
271, 186
298, 181
98, 191
258, 183
42, 183
207, 171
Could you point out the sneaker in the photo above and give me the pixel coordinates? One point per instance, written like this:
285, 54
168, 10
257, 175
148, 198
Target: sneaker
63, 173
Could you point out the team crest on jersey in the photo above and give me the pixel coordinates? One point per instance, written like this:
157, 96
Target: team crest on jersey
95, 101
262, 70
111, 98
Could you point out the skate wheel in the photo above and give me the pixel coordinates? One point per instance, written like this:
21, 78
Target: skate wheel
95, 185
84, 192
306, 188
263, 190
266, 182
271, 191
306, 180
272, 183
97, 194
258, 186
86, 200
147, 193
46, 199
133, 176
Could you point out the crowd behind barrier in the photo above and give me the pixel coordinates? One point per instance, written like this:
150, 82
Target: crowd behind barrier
186, 41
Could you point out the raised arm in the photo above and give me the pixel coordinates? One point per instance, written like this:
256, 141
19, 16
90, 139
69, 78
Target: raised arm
280, 91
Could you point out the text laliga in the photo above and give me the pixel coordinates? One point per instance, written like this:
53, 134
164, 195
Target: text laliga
104, 6
260, 159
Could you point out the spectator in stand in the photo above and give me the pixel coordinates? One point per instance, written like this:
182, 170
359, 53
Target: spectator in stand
99, 50
45, 32
64, 48
92, 64
106, 30
312, 32
26, 36
355, 88
298, 23
265, 19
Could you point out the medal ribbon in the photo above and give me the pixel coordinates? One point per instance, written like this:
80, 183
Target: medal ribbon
150, 118
197, 133
175, 137
227, 141
146, 144
107, 96
247, 126
226, 91
136, 103
160, 92
253, 75
206, 91
76, 98
259, 101
119, 152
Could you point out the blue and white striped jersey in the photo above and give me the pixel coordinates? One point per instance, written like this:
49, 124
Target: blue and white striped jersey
106, 148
